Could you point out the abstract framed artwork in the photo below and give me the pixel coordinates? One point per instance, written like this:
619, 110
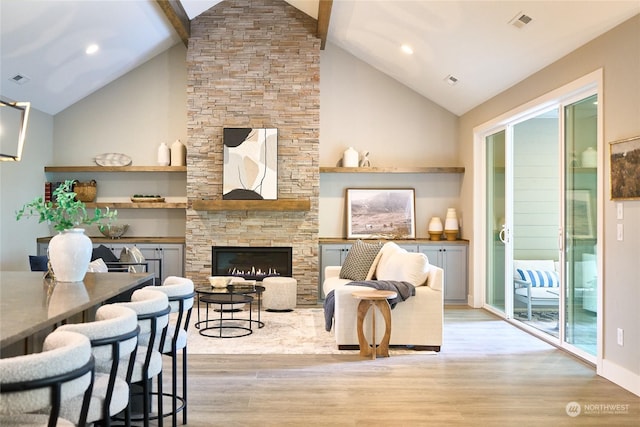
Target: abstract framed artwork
250, 169
625, 169
380, 213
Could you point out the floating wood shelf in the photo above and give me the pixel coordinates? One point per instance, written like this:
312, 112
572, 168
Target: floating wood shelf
252, 205
445, 169
143, 205
115, 168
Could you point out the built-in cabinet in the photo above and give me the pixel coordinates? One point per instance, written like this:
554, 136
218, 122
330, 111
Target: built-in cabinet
453, 260
164, 258
449, 255
116, 185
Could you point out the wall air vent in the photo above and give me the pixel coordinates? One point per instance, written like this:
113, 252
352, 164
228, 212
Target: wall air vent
20, 79
520, 20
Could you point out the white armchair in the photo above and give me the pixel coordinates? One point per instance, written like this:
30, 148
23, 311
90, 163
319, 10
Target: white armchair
536, 283
416, 322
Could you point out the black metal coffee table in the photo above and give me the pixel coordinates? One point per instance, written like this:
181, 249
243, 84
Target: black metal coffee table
227, 320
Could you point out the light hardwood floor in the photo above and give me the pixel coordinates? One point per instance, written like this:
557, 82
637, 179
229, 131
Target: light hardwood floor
489, 373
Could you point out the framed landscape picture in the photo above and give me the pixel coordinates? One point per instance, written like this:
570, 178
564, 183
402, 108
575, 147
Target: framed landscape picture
381, 213
625, 169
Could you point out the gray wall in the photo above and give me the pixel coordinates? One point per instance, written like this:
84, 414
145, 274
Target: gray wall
20, 183
369, 111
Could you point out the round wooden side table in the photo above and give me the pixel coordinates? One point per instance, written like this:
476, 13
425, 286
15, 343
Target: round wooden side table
377, 298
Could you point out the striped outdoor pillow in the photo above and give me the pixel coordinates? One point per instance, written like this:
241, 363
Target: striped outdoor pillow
539, 278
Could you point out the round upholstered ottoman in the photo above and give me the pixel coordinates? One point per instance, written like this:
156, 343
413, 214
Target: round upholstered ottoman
279, 294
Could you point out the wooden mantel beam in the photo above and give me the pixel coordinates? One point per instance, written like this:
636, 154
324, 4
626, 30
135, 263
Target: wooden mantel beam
324, 13
176, 14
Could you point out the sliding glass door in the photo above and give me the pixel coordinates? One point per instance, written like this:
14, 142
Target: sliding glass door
581, 191
541, 187
496, 220
535, 198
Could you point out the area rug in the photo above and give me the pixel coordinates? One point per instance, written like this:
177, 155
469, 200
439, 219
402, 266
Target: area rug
300, 331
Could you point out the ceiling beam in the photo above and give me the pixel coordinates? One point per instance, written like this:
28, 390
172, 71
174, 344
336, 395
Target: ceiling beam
324, 13
175, 13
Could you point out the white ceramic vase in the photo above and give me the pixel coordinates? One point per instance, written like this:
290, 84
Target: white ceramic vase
70, 255
451, 225
435, 228
589, 158
164, 155
178, 154
350, 158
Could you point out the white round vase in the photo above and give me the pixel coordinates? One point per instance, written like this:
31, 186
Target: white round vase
164, 155
350, 158
70, 255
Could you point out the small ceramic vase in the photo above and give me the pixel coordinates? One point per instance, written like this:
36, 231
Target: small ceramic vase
350, 158
178, 154
589, 158
435, 228
164, 157
451, 225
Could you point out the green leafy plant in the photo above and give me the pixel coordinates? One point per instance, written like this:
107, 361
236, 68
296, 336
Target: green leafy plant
67, 212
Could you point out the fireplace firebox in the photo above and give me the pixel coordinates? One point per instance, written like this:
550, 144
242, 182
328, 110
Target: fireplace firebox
251, 262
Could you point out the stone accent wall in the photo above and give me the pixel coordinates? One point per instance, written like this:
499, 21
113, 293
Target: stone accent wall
254, 63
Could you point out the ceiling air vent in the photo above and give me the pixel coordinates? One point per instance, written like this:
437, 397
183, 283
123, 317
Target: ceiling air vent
520, 20
451, 80
20, 79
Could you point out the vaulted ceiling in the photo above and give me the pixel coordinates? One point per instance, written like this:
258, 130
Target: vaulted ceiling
472, 43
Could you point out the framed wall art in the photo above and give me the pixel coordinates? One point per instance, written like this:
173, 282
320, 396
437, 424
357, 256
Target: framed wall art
580, 215
625, 169
250, 170
380, 213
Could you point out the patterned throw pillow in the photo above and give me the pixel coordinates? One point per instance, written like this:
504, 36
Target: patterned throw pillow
539, 278
359, 259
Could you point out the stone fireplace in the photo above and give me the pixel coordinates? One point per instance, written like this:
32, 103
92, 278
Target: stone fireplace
250, 262
254, 64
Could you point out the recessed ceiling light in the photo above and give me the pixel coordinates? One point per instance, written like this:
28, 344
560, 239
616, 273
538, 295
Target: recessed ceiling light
91, 49
407, 49
451, 80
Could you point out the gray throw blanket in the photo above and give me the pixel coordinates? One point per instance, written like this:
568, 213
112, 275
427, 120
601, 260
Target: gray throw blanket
403, 289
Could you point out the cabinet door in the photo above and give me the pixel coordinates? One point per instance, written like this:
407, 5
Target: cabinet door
172, 260
433, 253
454, 263
453, 260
